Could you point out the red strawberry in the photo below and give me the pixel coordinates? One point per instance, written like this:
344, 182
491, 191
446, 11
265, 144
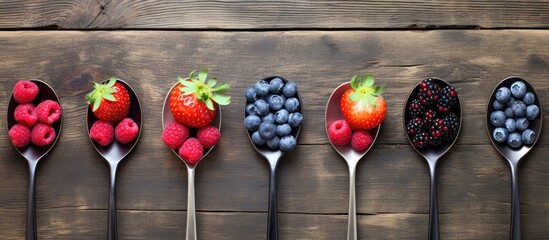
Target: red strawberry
363, 106
109, 101
193, 102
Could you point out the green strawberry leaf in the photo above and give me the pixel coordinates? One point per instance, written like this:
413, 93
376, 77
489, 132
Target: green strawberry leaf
369, 80
211, 82
110, 90
109, 97
209, 104
355, 96
221, 99
354, 82
371, 100
221, 88
186, 83
96, 103
111, 82
202, 75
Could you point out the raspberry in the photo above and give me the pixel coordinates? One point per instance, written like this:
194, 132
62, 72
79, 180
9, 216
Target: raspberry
102, 132
20, 135
191, 151
361, 140
208, 136
42, 134
26, 114
174, 134
25, 91
340, 133
126, 130
48, 111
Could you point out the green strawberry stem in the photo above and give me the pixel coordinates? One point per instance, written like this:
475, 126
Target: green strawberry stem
100, 92
206, 90
365, 91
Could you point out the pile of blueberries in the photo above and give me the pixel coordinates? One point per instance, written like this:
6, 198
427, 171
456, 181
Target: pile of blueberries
273, 114
514, 108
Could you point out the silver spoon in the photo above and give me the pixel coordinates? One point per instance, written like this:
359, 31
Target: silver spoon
432, 155
513, 156
273, 158
33, 153
115, 152
333, 113
191, 211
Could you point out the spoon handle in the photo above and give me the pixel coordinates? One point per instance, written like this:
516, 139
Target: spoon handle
112, 232
31, 204
272, 228
351, 225
515, 203
191, 211
433, 203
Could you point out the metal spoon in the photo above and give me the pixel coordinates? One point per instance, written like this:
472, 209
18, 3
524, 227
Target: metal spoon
115, 152
333, 113
273, 158
514, 156
432, 155
33, 153
191, 211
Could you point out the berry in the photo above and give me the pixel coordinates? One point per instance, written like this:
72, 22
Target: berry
252, 122
361, 140
25, 91
290, 89
500, 134
503, 94
521, 124
208, 136
281, 116
436, 132
451, 121
528, 136
498, 105
251, 95
340, 133
532, 112
261, 107
267, 130
509, 112
510, 125
519, 108
295, 119
48, 111
511, 101
262, 88
428, 92
529, 98
514, 140
257, 139
109, 102
126, 130
276, 85
292, 105
174, 135
420, 140
283, 130
448, 98
497, 118
414, 126
415, 109
26, 114
102, 132
274, 143
42, 134
20, 135
276, 102
518, 89
250, 109
429, 117
287, 143
191, 151
269, 118
362, 106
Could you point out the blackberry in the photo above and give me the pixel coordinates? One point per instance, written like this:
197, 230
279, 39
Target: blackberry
436, 132
428, 92
415, 109
452, 123
428, 118
414, 126
447, 99
420, 140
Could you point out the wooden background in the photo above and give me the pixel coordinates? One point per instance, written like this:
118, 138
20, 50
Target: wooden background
319, 45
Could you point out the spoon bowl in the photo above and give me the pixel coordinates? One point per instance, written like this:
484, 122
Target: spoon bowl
513, 156
33, 153
115, 152
432, 155
351, 156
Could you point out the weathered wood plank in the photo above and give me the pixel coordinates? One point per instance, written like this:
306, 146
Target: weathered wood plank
273, 14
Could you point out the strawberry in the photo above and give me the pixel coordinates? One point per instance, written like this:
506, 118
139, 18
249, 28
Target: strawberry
194, 101
362, 106
109, 101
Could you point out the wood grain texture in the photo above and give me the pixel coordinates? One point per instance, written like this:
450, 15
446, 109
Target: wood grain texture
232, 183
287, 14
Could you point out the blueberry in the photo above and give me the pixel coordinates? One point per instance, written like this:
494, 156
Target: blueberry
295, 119
498, 105
261, 107
276, 85
287, 143
251, 96
532, 112
518, 89
521, 123
290, 89
283, 130
257, 139
267, 130
500, 134
509, 112
281, 116
503, 94
529, 98
250, 109
510, 125
262, 88
273, 143
276, 102
514, 140
252, 122
497, 118
511, 101
519, 108
268, 118
528, 136
292, 105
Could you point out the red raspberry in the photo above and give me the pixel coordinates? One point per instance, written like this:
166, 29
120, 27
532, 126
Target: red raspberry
25, 91
191, 151
174, 134
20, 135
26, 114
126, 130
102, 132
340, 132
48, 111
42, 134
208, 136
361, 140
